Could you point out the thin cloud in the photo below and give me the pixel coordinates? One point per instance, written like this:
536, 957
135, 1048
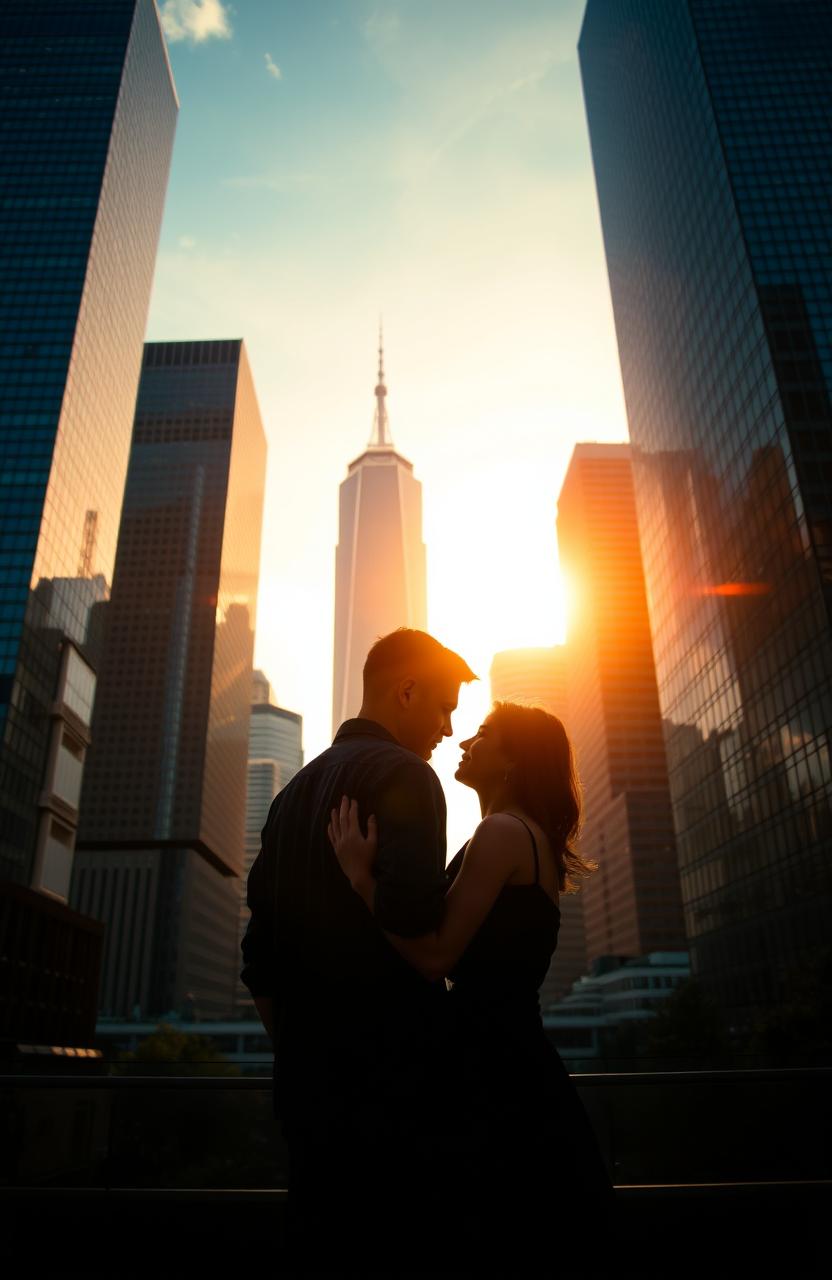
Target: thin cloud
187, 242
284, 182
272, 68
195, 20
494, 100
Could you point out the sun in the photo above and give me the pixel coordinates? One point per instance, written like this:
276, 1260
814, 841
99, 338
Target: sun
497, 585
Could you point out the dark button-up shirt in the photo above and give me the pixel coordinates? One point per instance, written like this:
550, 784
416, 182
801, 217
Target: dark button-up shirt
352, 1020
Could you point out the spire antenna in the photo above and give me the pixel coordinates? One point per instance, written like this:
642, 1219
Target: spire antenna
381, 426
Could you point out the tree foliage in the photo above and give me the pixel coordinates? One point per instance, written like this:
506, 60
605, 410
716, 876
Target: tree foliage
170, 1050
797, 1031
685, 1034
688, 1026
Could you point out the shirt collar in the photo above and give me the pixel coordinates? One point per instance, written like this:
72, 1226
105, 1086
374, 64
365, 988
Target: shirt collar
361, 728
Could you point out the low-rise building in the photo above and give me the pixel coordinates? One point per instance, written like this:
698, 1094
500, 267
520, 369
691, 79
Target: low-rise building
619, 990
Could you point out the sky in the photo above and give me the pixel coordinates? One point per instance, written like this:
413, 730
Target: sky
426, 161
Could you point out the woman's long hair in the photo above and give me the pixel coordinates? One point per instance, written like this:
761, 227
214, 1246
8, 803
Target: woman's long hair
544, 782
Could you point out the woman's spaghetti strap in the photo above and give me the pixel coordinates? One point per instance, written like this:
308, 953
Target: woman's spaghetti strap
534, 847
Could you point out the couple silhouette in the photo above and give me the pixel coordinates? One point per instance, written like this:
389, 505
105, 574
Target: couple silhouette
430, 1123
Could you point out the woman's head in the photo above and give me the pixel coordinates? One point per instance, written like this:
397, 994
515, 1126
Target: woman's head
524, 754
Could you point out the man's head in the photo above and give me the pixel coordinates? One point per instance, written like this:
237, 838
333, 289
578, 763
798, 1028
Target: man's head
411, 686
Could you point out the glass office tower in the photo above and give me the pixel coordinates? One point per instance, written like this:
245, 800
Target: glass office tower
160, 843
711, 131
87, 116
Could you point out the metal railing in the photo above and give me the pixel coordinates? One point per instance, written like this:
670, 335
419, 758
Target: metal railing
158, 1131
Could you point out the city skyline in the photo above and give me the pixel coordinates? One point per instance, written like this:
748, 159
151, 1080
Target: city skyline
592, 240
461, 205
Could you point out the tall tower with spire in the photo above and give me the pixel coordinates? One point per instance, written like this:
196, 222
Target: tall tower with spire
380, 558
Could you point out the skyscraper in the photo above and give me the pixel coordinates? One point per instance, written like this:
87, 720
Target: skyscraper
163, 806
380, 558
632, 903
540, 678
88, 116
711, 130
275, 754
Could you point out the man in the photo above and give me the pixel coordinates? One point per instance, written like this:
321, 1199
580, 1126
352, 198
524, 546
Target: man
355, 1029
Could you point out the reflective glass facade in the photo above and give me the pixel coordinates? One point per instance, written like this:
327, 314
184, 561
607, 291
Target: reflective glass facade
87, 117
163, 806
711, 131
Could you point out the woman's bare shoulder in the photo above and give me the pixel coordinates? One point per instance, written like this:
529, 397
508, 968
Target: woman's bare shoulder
499, 832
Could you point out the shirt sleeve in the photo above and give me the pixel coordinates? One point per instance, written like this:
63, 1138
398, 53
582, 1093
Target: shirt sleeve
257, 944
410, 865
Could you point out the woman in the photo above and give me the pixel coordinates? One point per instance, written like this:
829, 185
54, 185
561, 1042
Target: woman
531, 1164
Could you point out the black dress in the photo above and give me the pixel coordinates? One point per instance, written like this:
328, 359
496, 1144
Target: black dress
531, 1177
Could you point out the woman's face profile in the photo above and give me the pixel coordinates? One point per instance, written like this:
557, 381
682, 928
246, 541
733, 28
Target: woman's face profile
484, 762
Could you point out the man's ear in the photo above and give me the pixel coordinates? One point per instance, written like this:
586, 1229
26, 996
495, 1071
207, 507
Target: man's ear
405, 691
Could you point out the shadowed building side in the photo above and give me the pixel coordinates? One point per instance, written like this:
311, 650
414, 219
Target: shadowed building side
163, 805
380, 574
539, 678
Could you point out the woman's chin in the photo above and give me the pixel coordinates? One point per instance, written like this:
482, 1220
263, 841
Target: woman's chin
460, 777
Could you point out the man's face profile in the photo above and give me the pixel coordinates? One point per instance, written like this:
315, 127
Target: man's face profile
428, 703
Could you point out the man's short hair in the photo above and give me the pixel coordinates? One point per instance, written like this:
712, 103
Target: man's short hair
410, 652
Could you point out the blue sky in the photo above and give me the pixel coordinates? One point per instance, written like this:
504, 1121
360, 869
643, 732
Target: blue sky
429, 161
